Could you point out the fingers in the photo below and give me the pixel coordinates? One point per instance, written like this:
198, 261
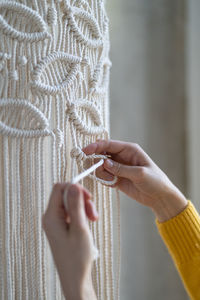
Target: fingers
58, 212
55, 205
110, 146
90, 208
89, 205
130, 172
103, 174
123, 152
76, 207
91, 211
55, 215
86, 193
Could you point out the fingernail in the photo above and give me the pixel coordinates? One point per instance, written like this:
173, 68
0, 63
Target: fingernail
109, 163
90, 148
92, 144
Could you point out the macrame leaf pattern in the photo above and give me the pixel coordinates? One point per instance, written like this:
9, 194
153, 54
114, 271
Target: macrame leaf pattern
19, 118
68, 65
54, 78
32, 27
82, 112
78, 19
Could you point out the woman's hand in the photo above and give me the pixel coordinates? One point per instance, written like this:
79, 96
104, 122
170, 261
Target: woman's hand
71, 243
139, 177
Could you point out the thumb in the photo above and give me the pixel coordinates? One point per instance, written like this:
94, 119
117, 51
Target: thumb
76, 207
130, 172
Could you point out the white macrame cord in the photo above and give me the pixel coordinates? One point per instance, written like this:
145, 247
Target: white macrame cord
54, 100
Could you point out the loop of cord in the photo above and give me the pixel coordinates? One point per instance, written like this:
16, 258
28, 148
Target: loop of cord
79, 155
22, 60
13, 75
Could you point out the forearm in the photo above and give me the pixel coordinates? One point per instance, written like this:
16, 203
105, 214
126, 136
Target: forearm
78, 291
72, 290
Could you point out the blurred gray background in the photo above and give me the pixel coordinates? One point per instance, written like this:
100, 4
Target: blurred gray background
153, 103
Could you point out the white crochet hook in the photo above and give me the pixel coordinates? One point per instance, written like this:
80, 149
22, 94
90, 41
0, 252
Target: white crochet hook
87, 172
81, 176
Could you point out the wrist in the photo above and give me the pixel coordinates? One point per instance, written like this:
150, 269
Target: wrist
88, 293
80, 290
169, 205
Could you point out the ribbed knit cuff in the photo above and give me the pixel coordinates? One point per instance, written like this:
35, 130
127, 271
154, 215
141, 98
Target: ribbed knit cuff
181, 234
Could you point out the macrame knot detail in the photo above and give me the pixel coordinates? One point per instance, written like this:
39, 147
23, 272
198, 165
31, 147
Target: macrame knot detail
78, 154
80, 76
59, 136
22, 60
3, 58
85, 61
13, 75
71, 108
51, 16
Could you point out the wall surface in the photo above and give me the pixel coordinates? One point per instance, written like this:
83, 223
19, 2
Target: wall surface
148, 107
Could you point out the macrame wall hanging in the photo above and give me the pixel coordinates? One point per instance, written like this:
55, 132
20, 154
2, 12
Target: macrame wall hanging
54, 77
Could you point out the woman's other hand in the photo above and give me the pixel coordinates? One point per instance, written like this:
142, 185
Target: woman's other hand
70, 239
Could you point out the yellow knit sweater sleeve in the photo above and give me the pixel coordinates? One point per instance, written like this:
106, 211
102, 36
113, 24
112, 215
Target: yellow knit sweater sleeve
181, 235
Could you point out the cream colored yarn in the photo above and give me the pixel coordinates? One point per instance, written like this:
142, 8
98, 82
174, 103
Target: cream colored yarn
54, 77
